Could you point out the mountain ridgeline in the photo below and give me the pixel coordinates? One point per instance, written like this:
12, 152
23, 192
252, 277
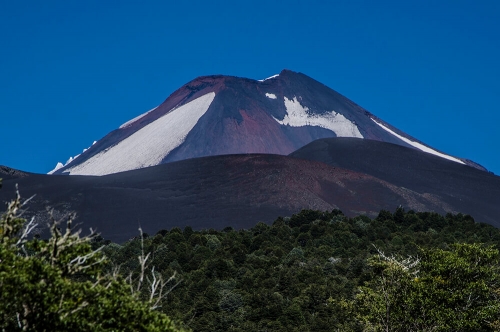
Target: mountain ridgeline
357, 176
219, 115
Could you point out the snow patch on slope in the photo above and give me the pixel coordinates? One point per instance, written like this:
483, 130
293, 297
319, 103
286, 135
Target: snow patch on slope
271, 96
297, 116
70, 159
418, 145
58, 166
149, 145
129, 122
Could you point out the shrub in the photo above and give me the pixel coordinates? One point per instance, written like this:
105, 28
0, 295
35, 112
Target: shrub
59, 285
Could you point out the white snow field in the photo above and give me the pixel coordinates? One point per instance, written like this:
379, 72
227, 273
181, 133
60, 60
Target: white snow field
271, 95
297, 116
149, 145
129, 122
418, 145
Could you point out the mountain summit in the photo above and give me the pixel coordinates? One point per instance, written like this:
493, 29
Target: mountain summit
219, 115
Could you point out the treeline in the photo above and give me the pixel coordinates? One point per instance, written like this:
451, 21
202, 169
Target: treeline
308, 272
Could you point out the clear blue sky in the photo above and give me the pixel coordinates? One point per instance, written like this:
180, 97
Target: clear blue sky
72, 71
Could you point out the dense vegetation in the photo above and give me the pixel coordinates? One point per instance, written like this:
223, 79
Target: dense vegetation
314, 271
443, 290
58, 284
322, 271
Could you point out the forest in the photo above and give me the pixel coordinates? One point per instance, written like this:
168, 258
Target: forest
306, 272
312, 271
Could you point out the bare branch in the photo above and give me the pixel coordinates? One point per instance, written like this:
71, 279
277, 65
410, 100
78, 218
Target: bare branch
156, 284
406, 264
28, 228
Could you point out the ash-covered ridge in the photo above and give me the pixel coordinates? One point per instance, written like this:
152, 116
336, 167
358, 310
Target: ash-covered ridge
220, 115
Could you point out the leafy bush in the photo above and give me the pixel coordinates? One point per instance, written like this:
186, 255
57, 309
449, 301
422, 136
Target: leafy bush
442, 290
58, 284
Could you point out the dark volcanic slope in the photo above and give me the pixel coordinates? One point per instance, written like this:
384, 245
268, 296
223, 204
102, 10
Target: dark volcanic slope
463, 188
7, 173
211, 192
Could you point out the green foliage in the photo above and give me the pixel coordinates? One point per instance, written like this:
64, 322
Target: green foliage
302, 273
58, 284
456, 289
313, 271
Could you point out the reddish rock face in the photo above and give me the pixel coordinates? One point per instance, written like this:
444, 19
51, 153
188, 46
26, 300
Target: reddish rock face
278, 115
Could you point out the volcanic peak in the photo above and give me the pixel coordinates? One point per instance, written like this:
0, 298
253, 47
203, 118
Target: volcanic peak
277, 115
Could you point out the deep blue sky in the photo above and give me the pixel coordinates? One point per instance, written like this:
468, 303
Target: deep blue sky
72, 71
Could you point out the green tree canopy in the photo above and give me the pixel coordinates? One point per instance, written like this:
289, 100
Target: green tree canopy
456, 289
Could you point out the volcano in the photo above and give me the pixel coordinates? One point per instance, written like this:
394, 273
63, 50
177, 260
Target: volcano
221, 115
227, 151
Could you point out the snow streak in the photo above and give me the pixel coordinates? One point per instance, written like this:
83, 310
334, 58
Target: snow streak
265, 79
129, 122
418, 145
